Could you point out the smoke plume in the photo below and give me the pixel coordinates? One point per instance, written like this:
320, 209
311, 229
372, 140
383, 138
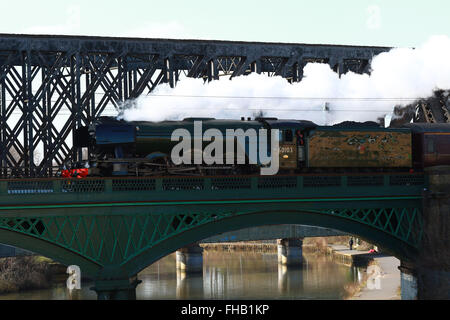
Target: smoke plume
397, 78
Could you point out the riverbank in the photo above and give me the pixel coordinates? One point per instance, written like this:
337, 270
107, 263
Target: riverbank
318, 245
388, 287
380, 281
27, 273
253, 246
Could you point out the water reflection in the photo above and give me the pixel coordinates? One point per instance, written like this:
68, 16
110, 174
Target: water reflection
356, 274
228, 275
189, 286
290, 280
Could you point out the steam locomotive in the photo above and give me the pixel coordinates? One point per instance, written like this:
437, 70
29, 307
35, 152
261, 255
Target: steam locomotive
120, 148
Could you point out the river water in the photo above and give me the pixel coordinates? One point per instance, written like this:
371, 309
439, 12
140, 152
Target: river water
228, 275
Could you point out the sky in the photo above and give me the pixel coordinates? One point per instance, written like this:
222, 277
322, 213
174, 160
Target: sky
398, 23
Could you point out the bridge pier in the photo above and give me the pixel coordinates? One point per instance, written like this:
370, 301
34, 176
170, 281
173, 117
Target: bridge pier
116, 289
290, 251
408, 281
121, 289
432, 267
112, 283
189, 259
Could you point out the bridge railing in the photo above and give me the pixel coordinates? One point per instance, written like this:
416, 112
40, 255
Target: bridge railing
209, 183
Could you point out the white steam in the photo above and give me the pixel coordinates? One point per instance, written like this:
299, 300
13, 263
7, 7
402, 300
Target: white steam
398, 77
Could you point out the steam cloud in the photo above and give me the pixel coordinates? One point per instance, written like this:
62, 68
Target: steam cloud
398, 77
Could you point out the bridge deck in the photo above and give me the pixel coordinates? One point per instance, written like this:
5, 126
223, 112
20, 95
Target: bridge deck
21, 193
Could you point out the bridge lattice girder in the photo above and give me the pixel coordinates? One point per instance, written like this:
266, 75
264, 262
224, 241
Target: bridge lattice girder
435, 109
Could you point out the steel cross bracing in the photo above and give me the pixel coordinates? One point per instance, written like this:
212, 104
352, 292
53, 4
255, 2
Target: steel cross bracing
435, 109
77, 78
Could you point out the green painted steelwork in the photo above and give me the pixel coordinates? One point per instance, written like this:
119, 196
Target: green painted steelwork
216, 202
125, 224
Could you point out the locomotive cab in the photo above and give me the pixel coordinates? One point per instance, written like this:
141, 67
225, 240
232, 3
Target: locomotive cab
288, 149
292, 143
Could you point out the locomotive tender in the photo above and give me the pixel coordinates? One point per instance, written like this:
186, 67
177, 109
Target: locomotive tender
142, 148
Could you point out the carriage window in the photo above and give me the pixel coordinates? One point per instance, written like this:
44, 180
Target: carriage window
288, 136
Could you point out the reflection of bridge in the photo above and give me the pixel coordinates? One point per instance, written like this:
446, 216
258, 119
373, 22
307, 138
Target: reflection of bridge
113, 228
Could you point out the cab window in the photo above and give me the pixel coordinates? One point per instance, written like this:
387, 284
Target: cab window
288, 136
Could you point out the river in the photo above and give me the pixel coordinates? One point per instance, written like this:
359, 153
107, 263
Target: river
227, 275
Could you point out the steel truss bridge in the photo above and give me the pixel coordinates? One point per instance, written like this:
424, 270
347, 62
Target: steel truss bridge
76, 78
43, 77
115, 227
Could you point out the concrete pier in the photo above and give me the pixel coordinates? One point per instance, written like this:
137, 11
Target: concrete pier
290, 251
343, 255
189, 259
432, 268
113, 283
408, 282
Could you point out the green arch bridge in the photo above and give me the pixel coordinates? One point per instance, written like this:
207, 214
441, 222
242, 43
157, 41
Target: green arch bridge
112, 228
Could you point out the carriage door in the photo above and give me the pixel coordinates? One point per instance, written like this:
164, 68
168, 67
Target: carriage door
288, 149
430, 151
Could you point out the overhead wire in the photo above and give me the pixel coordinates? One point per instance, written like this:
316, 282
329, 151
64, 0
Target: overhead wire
325, 99
284, 98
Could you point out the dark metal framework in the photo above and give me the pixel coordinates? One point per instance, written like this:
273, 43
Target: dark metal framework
435, 109
42, 77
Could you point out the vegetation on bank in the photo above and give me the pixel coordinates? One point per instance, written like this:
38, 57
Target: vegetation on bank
25, 273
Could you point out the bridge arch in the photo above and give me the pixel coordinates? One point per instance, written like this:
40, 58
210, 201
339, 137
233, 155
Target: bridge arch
385, 240
106, 243
50, 250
